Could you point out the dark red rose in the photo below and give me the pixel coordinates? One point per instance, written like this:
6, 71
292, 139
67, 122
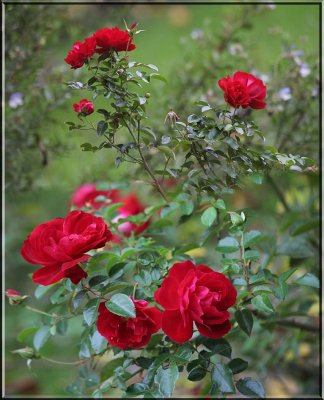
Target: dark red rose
60, 245
244, 90
113, 39
80, 52
129, 332
84, 107
195, 294
132, 206
86, 194
12, 292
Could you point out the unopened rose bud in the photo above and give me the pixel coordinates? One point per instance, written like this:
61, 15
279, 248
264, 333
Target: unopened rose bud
15, 297
27, 352
147, 95
133, 25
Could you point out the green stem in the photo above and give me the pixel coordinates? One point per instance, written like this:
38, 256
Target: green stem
41, 312
65, 362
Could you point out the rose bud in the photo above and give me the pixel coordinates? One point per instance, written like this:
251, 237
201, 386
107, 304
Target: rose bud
15, 297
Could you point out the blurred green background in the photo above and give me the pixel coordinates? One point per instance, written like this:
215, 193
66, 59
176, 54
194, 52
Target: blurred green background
44, 162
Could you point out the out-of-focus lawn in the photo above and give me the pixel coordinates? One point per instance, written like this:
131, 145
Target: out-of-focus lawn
161, 45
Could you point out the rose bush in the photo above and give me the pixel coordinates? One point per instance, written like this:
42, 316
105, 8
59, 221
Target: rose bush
197, 294
243, 89
60, 245
129, 332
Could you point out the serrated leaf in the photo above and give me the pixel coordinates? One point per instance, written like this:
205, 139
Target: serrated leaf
221, 376
22, 335
250, 387
98, 342
220, 204
251, 238
218, 346
227, 245
166, 379
108, 370
237, 365
90, 311
245, 320
41, 337
122, 305
197, 374
101, 127
308, 280
262, 303
208, 216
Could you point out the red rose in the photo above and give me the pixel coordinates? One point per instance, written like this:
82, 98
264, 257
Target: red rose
113, 39
12, 292
87, 193
243, 90
195, 294
80, 52
84, 106
129, 332
60, 245
132, 206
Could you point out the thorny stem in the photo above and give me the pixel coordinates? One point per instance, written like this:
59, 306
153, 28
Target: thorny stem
145, 164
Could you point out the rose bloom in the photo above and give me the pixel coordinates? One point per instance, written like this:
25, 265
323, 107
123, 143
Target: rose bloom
86, 194
84, 106
132, 206
113, 39
243, 90
195, 294
129, 332
80, 52
60, 245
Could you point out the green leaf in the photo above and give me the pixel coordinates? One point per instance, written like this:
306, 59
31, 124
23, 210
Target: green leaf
286, 275
250, 387
166, 151
159, 77
90, 311
41, 290
108, 370
102, 126
22, 335
218, 346
295, 248
304, 227
262, 303
183, 354
208, 216
220, 204
308, 280
197, 374
122, 305
251, 237
78, 298
237, 365
245, 320
222, 379
227, 245
98, 342
41, 337
166, 379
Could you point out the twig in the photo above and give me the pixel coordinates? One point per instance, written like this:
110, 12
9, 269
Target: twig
288, 322
278, 192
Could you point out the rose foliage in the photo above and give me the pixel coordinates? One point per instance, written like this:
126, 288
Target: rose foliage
149, 309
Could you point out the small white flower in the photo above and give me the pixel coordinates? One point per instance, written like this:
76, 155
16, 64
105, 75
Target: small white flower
304, 70
285, 94
16, 100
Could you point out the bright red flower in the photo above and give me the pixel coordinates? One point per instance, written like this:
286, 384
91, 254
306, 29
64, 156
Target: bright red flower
132, 206
244, 90
87, 193
113, 39
60, 245
84, 106
129, 332
195, 294
80, 52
